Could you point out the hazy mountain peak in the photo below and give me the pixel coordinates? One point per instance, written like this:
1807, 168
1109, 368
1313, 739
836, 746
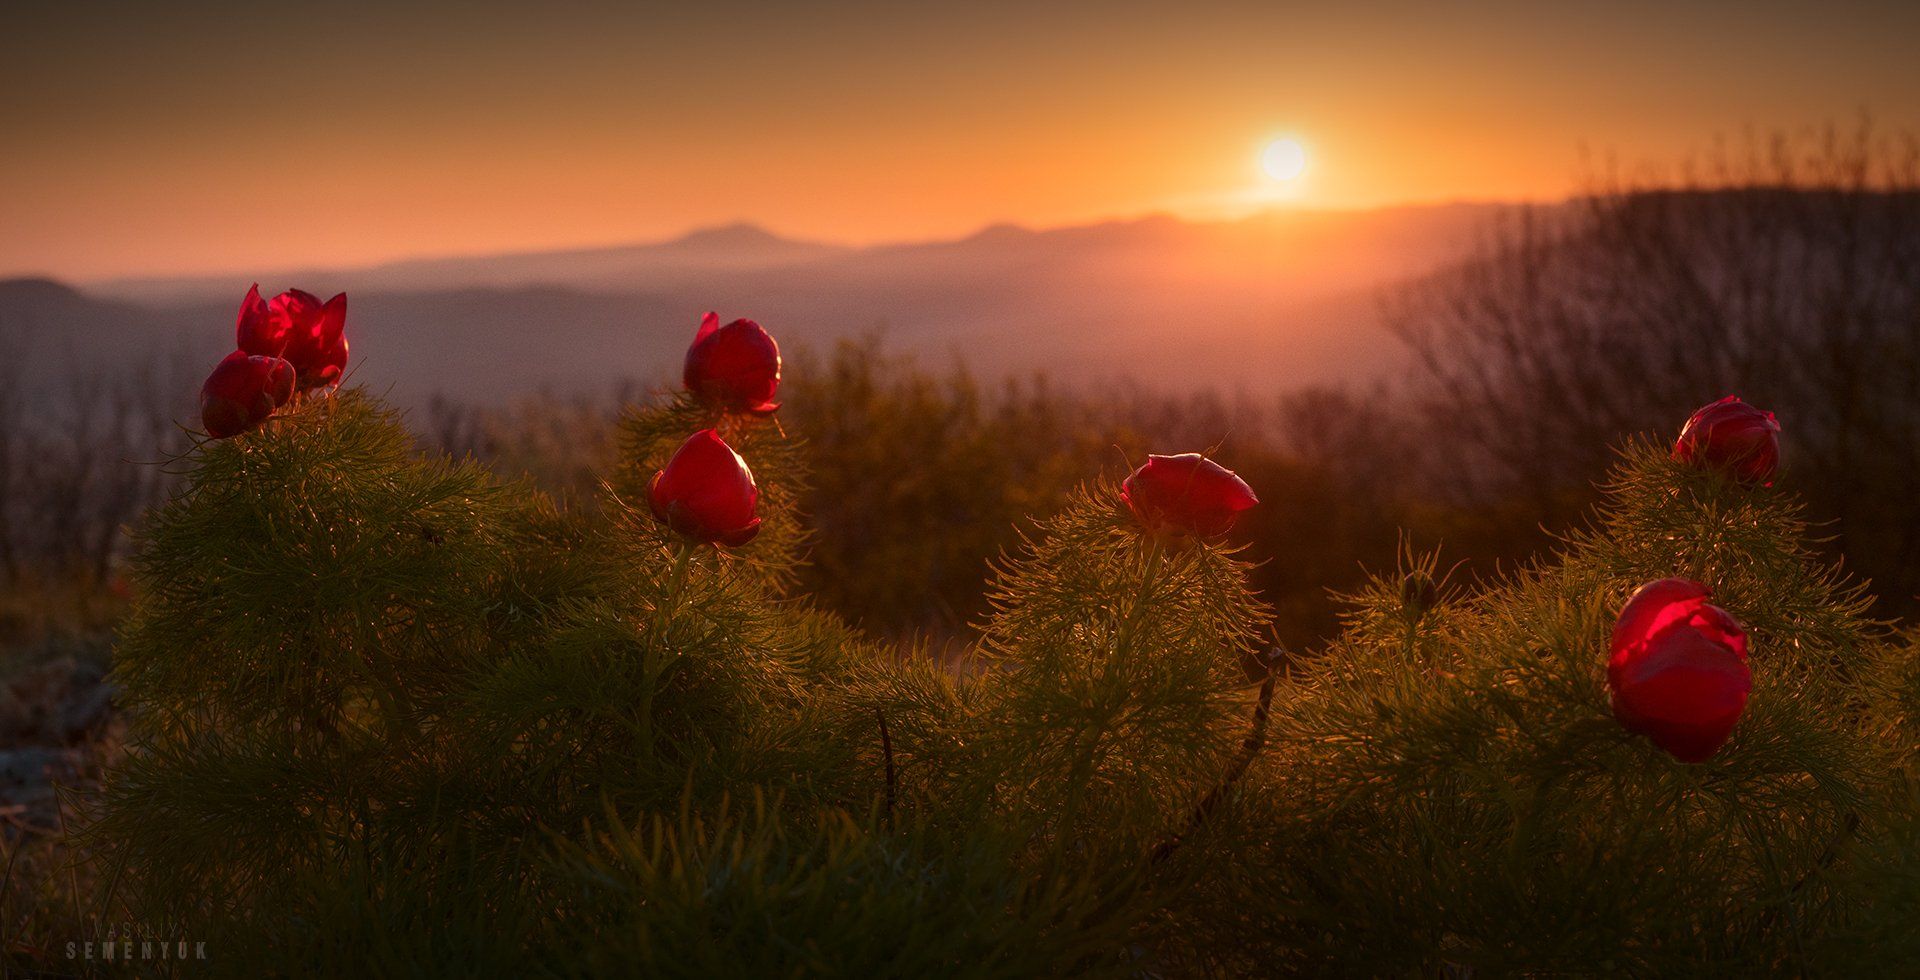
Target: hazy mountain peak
36, 291
740, 234
1001, 231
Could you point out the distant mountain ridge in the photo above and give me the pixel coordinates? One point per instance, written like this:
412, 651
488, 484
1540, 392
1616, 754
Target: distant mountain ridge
743, 246
1267, 303
738, 246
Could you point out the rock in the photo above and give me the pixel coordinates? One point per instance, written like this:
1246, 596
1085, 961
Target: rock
58, 702
27, 775
30, 697
85, 710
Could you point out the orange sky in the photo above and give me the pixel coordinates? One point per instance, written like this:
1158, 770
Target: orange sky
203, 137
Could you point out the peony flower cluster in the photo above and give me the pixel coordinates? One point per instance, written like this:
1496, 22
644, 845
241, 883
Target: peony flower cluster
706, 492
1677, 664
293, 344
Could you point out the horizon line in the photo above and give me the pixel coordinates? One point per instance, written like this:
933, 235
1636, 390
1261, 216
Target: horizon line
748, 224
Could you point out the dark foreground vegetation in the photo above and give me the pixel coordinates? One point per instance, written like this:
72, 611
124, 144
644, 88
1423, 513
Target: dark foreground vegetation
389, 714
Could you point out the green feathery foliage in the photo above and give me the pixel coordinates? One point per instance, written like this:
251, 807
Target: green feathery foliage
1116, 696
391, 716
746, 892
1449, 791
350, 656
312, 602
648, 437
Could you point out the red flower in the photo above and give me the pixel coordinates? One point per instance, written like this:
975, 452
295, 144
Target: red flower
311, 335
706, 492
1678, 669
1734, 436
258, 332
1186, 495
242, 392
736, 366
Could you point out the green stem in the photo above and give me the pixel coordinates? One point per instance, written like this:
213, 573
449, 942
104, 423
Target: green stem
676, 580
663, 611
1122, 639
1249, 748
1141, 598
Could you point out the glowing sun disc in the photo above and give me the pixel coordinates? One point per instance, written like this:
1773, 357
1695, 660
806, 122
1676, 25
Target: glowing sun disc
1284, 159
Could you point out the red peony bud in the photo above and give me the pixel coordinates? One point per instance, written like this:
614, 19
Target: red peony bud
1734, 436
706, 492
736, 367
242, 392
258, 332
1678, 669
309, 334
281, 379
1186, 495
1418, 594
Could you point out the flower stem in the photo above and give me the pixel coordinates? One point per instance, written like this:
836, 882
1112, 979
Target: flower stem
1086, 743
886, 749
676, 580
1156, 555
1249, 748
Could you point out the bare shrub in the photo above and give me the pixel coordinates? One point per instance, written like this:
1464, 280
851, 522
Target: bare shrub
1786, 275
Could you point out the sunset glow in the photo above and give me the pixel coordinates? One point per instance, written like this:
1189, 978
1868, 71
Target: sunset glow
171, 138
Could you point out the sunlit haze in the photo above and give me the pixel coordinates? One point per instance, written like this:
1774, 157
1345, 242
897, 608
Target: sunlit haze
170, 138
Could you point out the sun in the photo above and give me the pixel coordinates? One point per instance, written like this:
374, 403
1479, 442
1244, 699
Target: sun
1284, 159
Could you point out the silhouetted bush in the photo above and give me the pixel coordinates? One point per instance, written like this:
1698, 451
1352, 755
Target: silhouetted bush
1787, 277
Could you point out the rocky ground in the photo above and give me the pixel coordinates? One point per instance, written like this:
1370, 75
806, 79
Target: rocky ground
58, 728
53, 715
